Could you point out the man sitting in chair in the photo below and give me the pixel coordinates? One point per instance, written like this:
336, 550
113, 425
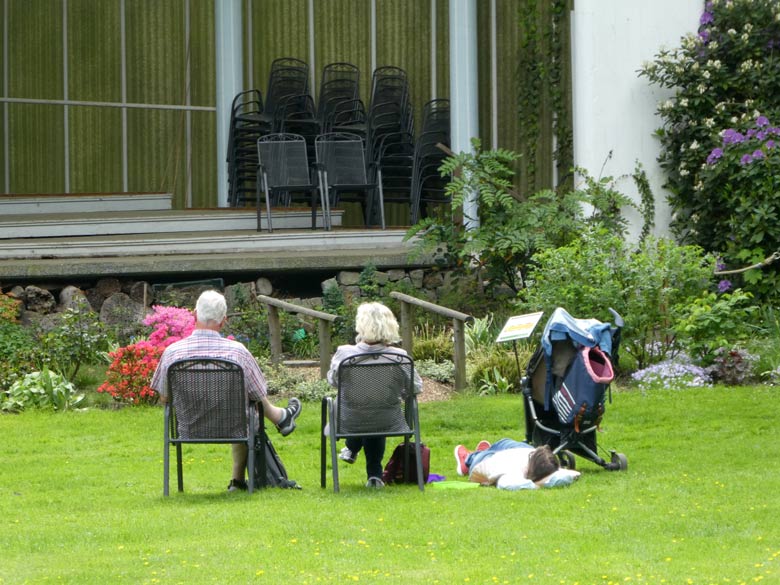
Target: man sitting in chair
377, 330
207, 342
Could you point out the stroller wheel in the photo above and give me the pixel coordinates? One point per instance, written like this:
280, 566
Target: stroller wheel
620, 460
567, 460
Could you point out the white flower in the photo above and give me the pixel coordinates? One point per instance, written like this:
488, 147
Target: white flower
734, 120
684, 172
714, 64
709, 122
694, 145
721, 107
706, 75
684, 102
695, 66
714, 45
731, 32
702, 88
748, 27
699, 186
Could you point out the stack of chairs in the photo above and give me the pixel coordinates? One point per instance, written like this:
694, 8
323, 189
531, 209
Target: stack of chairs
339, 92
428, 186
251, 118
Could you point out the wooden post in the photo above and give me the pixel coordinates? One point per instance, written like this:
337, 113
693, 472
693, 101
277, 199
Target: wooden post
325, 347
459, 346
407, 316
275, 331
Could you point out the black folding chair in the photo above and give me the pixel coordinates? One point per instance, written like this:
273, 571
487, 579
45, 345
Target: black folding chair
376, 398
208, 403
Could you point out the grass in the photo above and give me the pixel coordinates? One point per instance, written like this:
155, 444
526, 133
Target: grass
81, 502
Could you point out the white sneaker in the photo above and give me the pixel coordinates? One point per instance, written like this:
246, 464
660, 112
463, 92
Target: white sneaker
347, 455
375, 483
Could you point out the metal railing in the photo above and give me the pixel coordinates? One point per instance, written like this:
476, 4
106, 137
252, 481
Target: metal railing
324, 321
459, 321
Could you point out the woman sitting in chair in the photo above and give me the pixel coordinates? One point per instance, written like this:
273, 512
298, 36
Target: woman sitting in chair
377, 331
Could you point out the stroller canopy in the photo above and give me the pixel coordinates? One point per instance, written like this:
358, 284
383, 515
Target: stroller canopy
586, 332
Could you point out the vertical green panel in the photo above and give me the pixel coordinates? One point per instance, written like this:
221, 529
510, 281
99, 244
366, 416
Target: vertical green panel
204, 155
35, 49
94, 51
443, 49
156, 152
404, 40
506, 47
342, 31
280, 28
37, 147
95, 149
156, 51
484, 33
202, 53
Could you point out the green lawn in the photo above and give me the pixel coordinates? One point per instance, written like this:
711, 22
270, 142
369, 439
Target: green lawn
81, 502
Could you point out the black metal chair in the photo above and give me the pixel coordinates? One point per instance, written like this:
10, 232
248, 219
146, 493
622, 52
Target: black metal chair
376, 397
343, 175
284, 175
208, 403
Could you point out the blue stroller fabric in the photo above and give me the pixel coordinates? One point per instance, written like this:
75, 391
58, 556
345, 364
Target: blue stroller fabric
582, 392
582, 333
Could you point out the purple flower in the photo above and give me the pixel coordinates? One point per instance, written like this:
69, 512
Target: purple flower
757, 154
769, 144
731, 136
706, 18
746, 159
704, 35
761, 134
724, 285
751, 133
714, 156
720, 265
762, 121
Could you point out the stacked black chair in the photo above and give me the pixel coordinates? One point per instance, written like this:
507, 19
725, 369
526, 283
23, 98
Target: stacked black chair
339, 90
246, 126
428, 186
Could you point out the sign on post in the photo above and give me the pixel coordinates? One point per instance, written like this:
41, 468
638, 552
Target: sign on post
519, 327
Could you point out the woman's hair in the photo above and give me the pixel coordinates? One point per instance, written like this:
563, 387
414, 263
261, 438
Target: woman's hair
541, 463
211, 308
376, 323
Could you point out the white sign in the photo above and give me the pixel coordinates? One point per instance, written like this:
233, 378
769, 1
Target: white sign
519, 327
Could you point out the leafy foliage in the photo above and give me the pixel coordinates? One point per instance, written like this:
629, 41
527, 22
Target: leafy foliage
43, 389
9, 308
79, 339
717, 144
17, 353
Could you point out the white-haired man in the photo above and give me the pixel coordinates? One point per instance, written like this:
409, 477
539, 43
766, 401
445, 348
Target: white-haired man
206, 341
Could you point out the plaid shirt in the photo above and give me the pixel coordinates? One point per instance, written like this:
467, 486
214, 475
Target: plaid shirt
205, 343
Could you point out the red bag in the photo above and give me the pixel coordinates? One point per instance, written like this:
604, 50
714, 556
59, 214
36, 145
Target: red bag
394, 470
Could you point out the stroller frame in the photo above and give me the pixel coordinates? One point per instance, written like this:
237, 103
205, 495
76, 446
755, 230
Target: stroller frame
545, 371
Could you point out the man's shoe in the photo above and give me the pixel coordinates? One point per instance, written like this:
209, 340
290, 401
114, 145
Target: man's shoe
292, 411
237, 485
375, 483
347, 455
460, 459
483, 446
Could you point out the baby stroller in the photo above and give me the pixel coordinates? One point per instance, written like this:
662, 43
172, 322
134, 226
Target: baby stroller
566, 385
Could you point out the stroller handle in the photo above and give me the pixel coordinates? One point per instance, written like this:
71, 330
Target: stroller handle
618, 320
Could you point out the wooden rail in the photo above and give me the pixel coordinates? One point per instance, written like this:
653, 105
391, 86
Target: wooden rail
458, 326
275, 329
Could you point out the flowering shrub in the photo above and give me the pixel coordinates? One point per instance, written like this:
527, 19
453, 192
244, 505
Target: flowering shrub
733, 367
677, 373
131, 369
9, 308
718, 146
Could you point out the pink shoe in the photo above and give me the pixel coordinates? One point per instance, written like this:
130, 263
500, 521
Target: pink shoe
483, 445
460, 458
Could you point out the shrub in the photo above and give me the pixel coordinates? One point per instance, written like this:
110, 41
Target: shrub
599, 271
734, 367
494, 368
441, 371
130, 372
9, 308
43, 389
724, 78
433, 343
79, 339
17, 353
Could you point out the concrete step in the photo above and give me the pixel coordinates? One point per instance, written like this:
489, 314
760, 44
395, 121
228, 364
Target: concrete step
82, 203
50, 225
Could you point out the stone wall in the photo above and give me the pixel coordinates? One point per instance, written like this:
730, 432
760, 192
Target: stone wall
125, 302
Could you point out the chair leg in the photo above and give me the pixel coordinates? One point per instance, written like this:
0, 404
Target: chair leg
250, 465
166, 463
323, 442
179, 470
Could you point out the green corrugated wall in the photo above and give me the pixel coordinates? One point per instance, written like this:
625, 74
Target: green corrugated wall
157, 57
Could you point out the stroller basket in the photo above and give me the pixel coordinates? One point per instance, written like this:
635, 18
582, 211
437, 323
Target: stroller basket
566, 386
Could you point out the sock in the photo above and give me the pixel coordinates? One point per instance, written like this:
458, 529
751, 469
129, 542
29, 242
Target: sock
285, 414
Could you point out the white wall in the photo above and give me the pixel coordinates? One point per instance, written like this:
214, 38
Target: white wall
614, 108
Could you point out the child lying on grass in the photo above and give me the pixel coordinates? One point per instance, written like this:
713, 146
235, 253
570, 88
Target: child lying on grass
512, 465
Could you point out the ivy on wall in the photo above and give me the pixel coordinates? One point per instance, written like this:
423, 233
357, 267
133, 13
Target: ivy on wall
544, 95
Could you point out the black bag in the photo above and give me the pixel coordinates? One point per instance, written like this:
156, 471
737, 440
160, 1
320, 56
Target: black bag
275, 472
394, 469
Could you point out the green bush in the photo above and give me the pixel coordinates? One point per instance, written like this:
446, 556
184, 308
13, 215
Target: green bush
646, 286
17, 353
725, 80
432, 342
79, 339
44, 389
442, 371
9, 308
495, 370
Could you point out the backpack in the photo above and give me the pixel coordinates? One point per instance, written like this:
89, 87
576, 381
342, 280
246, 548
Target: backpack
275, 472
394, 469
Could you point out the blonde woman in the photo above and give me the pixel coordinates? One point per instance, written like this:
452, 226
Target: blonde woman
377, 331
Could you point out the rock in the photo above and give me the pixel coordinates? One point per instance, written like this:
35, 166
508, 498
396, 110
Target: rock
141, 292
348, 278
39, 300
74, 298
396, 274
16, 292
433, 280
326, 284
105, 287
122, 313
416, 277
239, 296
263, 286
